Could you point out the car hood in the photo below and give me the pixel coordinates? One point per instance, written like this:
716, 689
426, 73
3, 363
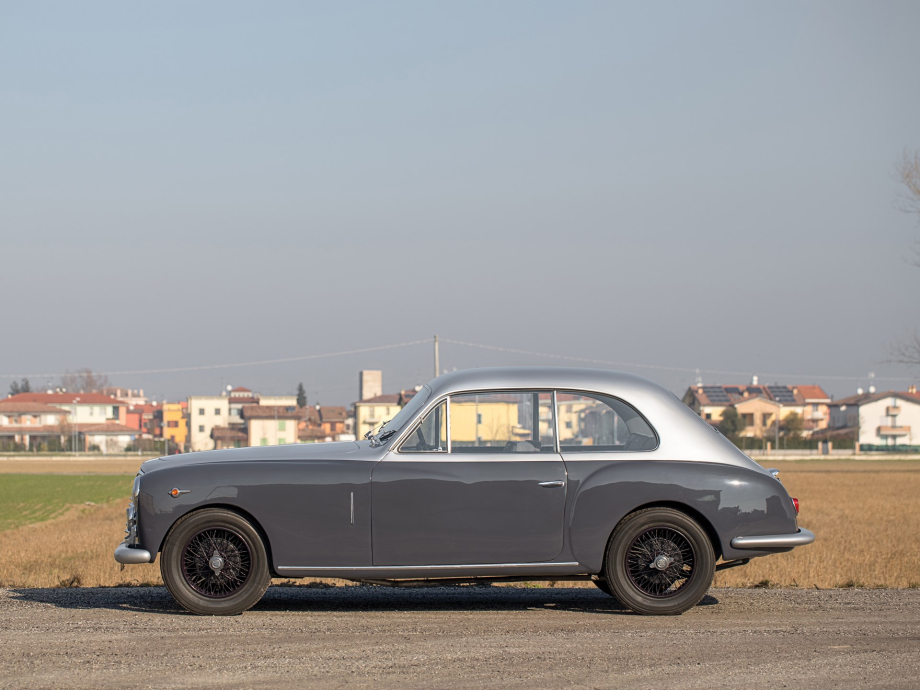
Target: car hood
301, 451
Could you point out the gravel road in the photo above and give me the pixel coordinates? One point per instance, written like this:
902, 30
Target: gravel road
459, 637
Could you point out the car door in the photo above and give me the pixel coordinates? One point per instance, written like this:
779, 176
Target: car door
478, 481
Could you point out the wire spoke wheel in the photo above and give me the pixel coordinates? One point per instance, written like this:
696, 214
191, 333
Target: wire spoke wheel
216, 562
660, 562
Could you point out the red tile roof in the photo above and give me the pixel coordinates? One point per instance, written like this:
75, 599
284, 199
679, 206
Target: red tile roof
333, 414
229, 433
813, 393
386, 399
736, 393
107, 428
37, 430
68, 399
272, 412
8, 406
863, 398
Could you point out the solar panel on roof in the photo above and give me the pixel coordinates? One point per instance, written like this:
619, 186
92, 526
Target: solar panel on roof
715, 394
755, 390
734, 390
781, 394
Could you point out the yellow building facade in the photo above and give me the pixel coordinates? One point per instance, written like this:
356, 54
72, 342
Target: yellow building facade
175, 424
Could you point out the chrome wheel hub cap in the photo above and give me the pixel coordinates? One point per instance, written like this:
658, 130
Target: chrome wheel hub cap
216, 562
661, 563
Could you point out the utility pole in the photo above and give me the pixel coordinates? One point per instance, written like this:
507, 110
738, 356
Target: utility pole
437, 358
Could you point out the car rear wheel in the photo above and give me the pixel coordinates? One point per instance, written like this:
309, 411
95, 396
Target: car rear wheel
659, 562
214, 563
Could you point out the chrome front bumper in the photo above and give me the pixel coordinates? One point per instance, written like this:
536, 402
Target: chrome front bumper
128, 552
775, 541
131, 555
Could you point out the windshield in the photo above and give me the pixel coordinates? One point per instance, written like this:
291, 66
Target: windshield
407, 413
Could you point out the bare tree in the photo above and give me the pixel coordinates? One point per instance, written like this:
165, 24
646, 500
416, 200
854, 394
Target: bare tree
907, 350
908, 171
84, 381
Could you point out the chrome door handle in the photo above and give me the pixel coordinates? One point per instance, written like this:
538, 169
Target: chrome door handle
552, 485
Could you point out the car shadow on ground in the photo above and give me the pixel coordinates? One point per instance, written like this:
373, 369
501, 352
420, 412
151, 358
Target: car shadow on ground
357, 598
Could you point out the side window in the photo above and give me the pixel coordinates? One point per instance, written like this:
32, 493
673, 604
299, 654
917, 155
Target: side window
431, 435
502, 422
592, 422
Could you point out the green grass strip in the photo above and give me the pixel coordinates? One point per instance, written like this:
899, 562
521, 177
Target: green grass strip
30, 498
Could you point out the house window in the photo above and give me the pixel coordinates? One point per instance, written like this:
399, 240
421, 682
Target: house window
264, 442
201, 411
217, 412
709, 415
748, 419
201, 428
282, 425
282, 441
814, 407
172, 424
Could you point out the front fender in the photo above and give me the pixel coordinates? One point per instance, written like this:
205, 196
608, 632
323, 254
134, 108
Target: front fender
732, 501
311, 512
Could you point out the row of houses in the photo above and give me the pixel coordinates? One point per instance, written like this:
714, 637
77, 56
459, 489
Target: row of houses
116, 419
875, 420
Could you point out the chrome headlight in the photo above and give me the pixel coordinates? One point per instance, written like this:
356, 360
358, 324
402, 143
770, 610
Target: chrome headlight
137, 486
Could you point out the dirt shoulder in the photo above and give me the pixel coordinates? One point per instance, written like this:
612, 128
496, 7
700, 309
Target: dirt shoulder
462, 637
75, 465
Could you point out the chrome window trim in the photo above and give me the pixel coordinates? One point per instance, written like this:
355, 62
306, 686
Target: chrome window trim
556, 443
372, 568
460, 457
577, 391
448, 425
397, 446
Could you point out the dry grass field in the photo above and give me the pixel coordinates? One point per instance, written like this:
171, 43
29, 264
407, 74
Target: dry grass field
865, 513
79, 465
866, 516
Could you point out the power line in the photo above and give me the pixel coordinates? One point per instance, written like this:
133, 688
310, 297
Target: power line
204, 367
495, 348
661, 367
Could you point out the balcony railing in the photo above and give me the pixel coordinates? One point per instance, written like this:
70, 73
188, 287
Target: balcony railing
893, 430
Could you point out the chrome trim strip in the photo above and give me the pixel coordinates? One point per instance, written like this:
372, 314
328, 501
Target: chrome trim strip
352, 507
448, 424
775, 541
375, 568
552, 485
400, 438
499, 457
557, 444
127, 555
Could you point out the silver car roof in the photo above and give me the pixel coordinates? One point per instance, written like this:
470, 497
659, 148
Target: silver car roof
682, 434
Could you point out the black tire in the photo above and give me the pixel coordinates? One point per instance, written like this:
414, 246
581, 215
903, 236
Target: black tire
602, 585
214, 563
680, 562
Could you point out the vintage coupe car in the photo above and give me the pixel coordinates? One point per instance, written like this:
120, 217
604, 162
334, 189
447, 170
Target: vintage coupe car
487, 474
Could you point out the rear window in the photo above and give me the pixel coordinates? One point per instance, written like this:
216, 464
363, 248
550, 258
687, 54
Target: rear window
590, 422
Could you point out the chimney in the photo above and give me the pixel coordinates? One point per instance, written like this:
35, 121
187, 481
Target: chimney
912, 389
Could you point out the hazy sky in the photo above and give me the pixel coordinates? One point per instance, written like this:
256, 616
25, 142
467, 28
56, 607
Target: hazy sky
684, 185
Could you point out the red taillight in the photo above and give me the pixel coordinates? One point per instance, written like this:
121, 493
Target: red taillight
795, 502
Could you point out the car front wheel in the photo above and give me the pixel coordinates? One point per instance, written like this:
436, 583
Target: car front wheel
659, 562
214, 563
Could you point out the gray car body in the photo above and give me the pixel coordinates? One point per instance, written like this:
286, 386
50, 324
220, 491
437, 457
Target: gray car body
360, 510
